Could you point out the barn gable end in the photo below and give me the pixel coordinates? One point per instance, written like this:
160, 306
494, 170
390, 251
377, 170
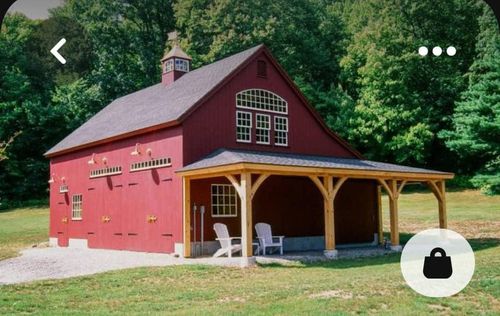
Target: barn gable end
212, 124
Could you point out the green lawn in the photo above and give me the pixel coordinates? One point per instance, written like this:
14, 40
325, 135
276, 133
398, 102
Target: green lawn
21, 228
365, 286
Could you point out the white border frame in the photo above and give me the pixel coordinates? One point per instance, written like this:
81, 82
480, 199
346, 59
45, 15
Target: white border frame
211, 203
73, 207
276, 117
250, 127
268, 129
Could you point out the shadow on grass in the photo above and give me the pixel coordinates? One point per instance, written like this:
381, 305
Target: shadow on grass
477, 244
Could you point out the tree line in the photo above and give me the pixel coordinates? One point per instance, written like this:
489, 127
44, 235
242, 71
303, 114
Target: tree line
356, 62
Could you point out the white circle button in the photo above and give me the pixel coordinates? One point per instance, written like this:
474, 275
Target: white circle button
423, 51
437, 262
437, 51
451, 51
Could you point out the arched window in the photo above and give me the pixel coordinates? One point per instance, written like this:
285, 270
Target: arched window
262, 100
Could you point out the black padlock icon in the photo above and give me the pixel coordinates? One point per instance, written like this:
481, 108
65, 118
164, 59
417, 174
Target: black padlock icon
438, 267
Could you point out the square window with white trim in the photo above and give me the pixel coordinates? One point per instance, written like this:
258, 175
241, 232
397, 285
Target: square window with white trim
280, 131
224, 201
76, 206
243, 127
263, 128
181, 65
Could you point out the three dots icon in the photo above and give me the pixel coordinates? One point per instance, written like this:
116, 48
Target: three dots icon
437, 51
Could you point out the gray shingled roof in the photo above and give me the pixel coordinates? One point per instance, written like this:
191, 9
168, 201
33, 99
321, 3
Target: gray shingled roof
223, 157
153, 105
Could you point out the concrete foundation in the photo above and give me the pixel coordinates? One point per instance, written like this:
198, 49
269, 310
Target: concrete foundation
331, 254
78, 243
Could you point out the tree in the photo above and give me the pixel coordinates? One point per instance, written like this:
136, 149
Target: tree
127, 37
475, 132
5, 144
302, 36
402, 99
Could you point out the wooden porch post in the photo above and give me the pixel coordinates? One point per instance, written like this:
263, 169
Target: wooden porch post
393, 191
246, 217
186, 191
393, 210
329, 218
380, 218
443, 216
439, 190
329, 191
246, 193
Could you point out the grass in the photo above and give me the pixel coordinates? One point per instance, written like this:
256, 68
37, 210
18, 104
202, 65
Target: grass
22, 228
361, 286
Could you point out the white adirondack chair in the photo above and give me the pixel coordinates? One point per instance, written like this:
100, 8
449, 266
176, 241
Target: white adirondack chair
226, 242
266, 238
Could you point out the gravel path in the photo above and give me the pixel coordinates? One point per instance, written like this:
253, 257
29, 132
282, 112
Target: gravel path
58, 263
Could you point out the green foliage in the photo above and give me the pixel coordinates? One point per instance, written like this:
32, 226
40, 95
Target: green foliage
402, 99
128, 39
305, 39
475, 132
459, 182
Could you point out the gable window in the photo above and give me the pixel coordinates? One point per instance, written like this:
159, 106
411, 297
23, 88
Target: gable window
263, 100
280, 131
263, 127
76, 207
224, 202
181, 65
243, 126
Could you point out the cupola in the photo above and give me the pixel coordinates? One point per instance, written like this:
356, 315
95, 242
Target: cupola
175, 63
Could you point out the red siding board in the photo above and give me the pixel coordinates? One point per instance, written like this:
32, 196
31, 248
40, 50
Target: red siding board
128, 199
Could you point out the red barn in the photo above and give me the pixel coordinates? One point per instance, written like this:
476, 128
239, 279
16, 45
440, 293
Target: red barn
235, 138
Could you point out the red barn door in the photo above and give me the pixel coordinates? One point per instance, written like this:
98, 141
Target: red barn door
113, 206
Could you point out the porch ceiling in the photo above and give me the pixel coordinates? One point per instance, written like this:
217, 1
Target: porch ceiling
225, 161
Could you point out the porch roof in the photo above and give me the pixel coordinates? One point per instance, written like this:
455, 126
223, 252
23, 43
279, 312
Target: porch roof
230, 160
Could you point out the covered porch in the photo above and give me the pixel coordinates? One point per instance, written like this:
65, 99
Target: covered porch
248, 171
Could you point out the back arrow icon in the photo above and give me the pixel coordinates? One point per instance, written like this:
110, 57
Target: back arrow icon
54, 51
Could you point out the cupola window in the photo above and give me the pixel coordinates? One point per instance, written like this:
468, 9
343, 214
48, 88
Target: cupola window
181, 65
169, 65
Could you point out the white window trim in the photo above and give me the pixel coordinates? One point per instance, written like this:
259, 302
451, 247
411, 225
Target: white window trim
260, 128
73, 218
63, 188
169, 65
259, 109
235, 199
183, 62
276, 118
249, 127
